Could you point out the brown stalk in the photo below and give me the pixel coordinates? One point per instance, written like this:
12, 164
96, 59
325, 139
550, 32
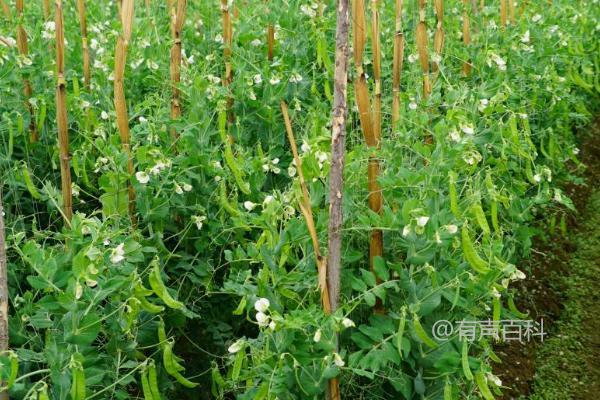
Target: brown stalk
227, 44
306, 209
46, 8
336, 171
119, 93
3, 293
361, 90
23, 48
61, 116
397, 64
503, 14
5, 10
84, 43
177, 21
523, 7
466, 36
421, 39
439, 37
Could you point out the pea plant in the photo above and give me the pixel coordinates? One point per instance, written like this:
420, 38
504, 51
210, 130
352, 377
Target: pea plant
167, 180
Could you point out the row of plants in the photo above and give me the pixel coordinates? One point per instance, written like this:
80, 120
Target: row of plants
188, 269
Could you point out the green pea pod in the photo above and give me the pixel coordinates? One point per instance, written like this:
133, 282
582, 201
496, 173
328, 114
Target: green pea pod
496, 309
400, 333
231, 210
237, 365
14, 370
529, 172
483, 386
465, 360
479, 215
29, 183
494, 215
513, 308
228, 154
153, 382
149, 307
20, 128
470, 254
160, 289
43, 394
421, 334
78, 383
11, 139
41, 117
453, 195
162, 334
146, 386
171, 369
448, 390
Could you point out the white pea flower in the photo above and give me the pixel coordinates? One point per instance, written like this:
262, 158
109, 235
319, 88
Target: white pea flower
536, 18
406, 231
305, 147
436, 58
291, 171
437, 238
307, 10
317, 337
467, 129
274, 80
576, 151
452, 228
104, 115
237, 346
262, 304
78, 290
262, 319
256, 42
219, 38
118, 254
272, 325
296, 78
268, 200
198, 220
526, 37
537, 178
454, 135
412, 58
178, 189
422, 221
337, 360
142, 177
257, 79
494, 379
495, 293
412, 105
187, 187
248, 205
348, 323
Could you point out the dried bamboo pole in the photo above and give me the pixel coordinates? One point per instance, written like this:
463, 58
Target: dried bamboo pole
61, 115
421, 39
84, 43
227, 49
466, 36
3, 292
305, 207
46, 8
522, 8
511, 10
338, 142
177, 21
5, 10
375, 197
270, 41
120, 101
336, 171
503, 14
440, 37
23, 48
398, 61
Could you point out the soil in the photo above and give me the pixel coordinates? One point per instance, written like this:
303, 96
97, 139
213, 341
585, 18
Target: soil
563, 288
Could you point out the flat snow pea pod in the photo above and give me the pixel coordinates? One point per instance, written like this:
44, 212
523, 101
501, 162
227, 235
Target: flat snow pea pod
470, 254
162, 334
421, 334
448, 390
148, 306
78, 383
465, 360
479, 215
231, 210
160, 289
494, 215
483, 386
41, 117
453, 195
496, 309
171, 367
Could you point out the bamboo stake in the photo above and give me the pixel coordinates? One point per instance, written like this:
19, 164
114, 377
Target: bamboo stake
120, 101
421, 39
511, 8
503, 14
270, 41
3, 293
336, 171
227, 45
84, 43
439, 37
397, 64
338, 140
360, 81
46, 8
522, 8
61, 116
375, 198
177, 21
466, 36
23, 48
305, 207
5, 10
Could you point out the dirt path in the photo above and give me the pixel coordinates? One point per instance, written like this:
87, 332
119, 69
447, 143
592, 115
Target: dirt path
564, 290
